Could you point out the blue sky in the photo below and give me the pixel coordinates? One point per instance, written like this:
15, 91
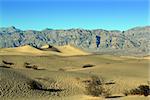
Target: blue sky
66, 14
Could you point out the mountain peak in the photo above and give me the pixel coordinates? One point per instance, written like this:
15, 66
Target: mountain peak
12, 27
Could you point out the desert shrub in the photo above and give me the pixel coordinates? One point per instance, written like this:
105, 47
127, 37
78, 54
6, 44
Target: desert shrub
96, 87
77, 78
87, 65
140, 90
3, 66
35, 67
28, 65
35, 85
61, 69
7, 63
110, 82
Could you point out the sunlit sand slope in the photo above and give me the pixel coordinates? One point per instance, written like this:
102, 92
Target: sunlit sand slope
68, 50
23, 50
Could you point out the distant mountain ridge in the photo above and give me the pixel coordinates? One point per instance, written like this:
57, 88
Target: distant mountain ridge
135, 41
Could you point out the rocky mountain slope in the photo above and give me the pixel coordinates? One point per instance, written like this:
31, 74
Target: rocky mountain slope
135, 41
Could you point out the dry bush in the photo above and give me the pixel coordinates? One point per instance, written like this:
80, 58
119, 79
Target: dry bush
29, 65
26, 65
140, 90
87, 65
7, 63
97, 87
35, 85
77, 78
3, 66
35, 67
61, 69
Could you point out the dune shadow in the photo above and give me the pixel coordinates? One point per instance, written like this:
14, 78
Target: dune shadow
7, 63
37, 86
52, 90
114, 96
88, 65
5, 67
50, 48
32, 66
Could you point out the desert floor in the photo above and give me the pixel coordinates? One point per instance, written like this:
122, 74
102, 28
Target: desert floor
54, 77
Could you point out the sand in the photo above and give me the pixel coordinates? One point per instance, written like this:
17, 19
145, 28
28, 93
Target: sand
29, 50
69, 50
51, 75
23, 50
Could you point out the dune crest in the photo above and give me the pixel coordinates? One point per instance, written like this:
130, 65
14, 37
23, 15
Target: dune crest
147, 57
45, 46
27, 48
68, 50
22, 50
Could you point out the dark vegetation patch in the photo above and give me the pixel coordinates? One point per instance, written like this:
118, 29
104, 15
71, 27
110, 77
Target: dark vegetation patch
110, 82
114, 97
32, 66
61, 69
140, 90
2, 66
108, 63
53, 90
34, 85
96, 87
7, 63
88, 65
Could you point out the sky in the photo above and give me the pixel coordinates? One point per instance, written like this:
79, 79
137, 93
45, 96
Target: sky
67, 14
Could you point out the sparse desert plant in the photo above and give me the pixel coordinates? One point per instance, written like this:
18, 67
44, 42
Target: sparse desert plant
140, 90
110, 82
7, 63
35, 85
77, 78
35, 67
61, 69
87, 65
28, 65
3, 66
96, 87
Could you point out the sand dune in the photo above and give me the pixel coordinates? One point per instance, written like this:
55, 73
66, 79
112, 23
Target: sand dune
14, 84
69, 82
50, 48
23, 50
45, 46
68, 50
147, 57
133, 57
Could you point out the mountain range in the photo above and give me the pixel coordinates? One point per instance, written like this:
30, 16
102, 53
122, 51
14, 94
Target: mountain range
135, 41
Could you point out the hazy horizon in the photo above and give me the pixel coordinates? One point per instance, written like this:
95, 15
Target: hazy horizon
73, 28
